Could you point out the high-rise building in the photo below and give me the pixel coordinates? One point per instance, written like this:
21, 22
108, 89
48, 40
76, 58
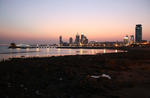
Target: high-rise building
77, 40
60, 40
138, 33
126, 40
82, 37
131, 39
70, 40
85, 40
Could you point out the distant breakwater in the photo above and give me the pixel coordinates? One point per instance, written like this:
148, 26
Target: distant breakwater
124, 48
119, 48
75, 47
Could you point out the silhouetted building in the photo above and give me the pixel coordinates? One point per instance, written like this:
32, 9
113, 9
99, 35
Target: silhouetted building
138, 33
84, 40
77, 40
65, 44
82, 37
12, 45
70, 40
60, 40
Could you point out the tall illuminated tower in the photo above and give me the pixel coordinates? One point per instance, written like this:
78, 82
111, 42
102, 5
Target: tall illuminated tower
82, 37
138, 33
126, 40
131, 39
77, 40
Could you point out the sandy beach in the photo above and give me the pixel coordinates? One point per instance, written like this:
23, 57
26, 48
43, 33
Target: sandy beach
114, 75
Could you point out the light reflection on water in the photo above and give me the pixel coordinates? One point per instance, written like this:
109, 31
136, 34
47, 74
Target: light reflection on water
92, 51
104, 50
37, 49
6, 53
27, 49
81, 51
116, 50
47, 50
18, 50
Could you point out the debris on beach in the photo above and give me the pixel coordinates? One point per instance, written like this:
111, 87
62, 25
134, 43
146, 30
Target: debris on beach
106, 76
96, 77
103, 75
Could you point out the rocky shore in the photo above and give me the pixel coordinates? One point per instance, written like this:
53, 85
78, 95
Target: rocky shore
114, 75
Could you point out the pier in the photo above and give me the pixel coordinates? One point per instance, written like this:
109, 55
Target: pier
33, 47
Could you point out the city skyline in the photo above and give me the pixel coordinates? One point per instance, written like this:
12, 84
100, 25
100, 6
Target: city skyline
42, 21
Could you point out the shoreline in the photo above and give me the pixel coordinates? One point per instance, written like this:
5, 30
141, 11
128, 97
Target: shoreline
124, 48
72, 47
73, 52
78, 76
17, 52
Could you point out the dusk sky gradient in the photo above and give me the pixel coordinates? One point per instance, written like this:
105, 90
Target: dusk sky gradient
43, 21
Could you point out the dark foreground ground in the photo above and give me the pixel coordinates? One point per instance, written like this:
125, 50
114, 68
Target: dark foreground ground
70, 76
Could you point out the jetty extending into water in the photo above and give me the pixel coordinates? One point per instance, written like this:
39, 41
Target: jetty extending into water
33, 47
23, 46
73, 47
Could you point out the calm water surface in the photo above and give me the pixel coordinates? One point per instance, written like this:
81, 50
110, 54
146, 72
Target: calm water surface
6, 53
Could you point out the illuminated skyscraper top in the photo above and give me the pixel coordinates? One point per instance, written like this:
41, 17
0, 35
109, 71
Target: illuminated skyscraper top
82, 37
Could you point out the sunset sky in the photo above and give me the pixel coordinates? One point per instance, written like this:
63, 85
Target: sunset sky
42, 21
